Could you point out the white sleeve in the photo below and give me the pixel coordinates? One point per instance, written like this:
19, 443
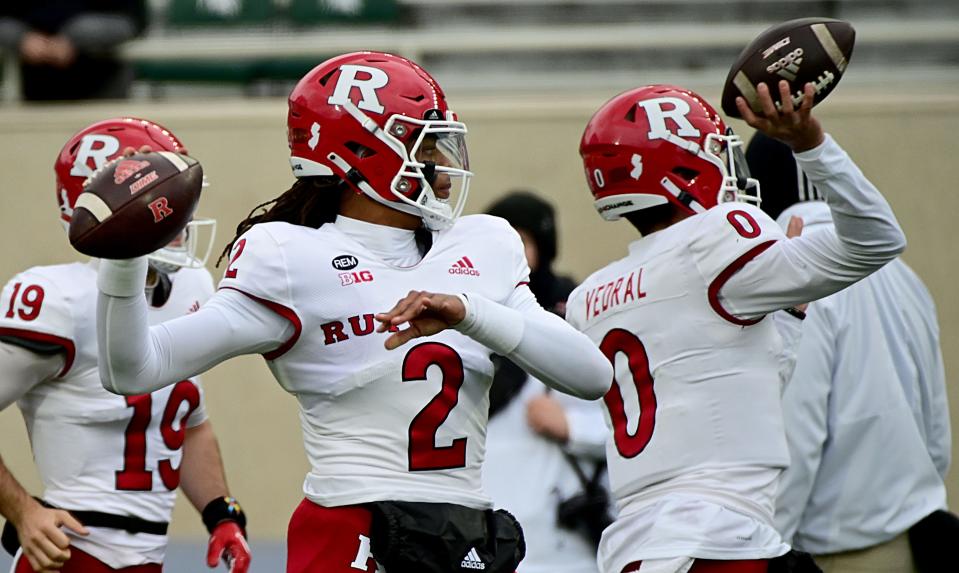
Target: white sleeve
932, 382
817, 264
136, 358
538, 341
22, 369
805, 410
790, 332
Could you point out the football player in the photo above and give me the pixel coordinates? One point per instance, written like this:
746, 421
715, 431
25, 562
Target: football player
394, 432
697, 444
110, 465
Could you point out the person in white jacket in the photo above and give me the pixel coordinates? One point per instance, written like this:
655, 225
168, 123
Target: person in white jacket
866, 414
545, 450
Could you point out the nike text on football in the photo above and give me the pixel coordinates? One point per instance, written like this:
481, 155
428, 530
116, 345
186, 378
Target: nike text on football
464, 266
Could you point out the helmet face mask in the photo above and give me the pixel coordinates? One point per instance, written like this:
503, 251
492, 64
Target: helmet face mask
437, 164
100, 143
662, 144
189, 250
381, 124
737, 183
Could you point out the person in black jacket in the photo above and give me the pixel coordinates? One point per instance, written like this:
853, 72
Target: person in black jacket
65, 47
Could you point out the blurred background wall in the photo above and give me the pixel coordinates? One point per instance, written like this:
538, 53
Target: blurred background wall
525, 76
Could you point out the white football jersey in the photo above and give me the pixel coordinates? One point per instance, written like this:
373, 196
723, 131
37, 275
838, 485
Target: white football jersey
696, 389
95, 450
407, 424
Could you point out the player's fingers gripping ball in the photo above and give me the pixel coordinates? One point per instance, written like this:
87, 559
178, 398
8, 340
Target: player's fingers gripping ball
136, 205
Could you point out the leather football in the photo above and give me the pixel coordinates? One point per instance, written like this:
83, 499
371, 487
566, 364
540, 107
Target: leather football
800, 51
135, 205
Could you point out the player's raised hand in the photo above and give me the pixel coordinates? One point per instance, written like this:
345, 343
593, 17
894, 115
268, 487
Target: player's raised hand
45, 546
227, 543
797, 128
427, 313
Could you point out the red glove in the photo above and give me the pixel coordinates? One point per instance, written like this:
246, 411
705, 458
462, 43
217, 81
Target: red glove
227, 542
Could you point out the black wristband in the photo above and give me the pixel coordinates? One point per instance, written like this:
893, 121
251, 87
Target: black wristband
796, 312
223, 509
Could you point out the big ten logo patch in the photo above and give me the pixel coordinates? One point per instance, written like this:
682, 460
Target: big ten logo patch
355, 278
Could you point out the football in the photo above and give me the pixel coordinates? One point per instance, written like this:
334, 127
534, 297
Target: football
136, 205
806, 50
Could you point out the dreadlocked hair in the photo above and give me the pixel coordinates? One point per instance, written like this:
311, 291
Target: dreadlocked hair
311, 202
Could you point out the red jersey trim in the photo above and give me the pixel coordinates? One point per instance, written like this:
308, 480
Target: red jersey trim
720, 281
68, 346
285, 312
521, 283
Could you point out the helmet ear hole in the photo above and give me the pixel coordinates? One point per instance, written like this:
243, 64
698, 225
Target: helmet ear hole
359, 150
323, 80
686, 173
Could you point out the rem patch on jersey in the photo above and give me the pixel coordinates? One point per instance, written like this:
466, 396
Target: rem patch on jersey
345, 262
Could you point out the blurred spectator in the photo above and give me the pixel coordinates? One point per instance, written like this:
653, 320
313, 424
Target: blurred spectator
544, 451
65, 46
866, 415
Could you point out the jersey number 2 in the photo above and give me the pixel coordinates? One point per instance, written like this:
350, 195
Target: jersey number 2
424, 454
135, 476
630, 445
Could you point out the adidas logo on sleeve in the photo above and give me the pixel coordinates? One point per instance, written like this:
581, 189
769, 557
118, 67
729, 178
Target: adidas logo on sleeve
473, 561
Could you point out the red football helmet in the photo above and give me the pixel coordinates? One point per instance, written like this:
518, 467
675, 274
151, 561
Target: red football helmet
381, 123
93, 147
662, 144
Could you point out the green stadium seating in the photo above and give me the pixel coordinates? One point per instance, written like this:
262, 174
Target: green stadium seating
318, 12
205, 12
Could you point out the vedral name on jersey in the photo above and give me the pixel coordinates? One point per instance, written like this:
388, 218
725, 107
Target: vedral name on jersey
615, 293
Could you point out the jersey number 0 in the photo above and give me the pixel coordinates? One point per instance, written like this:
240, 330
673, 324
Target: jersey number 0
622, 341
